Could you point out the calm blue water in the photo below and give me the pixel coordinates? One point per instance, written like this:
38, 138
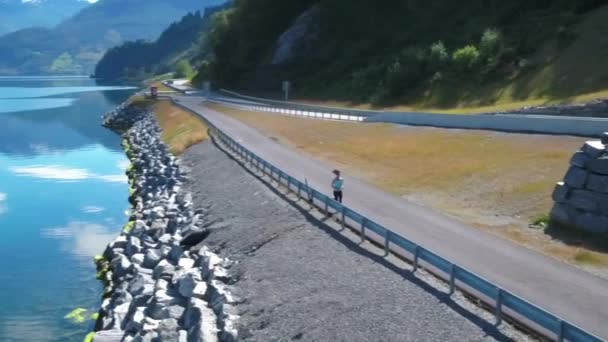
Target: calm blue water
63, 196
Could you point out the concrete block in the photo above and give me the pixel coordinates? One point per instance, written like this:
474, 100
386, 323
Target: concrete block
597, 183
563, 214
580, 159
561, 192
592, 223
583, 200
599, 166
594, 148
576, 177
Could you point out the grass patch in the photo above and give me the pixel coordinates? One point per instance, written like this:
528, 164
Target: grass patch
541, 221
127, 228
141, 101
181, 128
587, 258
487, 179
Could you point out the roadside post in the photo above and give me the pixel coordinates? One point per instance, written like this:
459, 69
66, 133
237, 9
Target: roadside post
207, 88
286, 85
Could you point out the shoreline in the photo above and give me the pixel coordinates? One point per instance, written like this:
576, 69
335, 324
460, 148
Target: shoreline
160, 281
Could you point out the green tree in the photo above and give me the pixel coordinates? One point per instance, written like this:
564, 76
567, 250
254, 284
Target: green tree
438, 56
491, 47
183, 69
466, 58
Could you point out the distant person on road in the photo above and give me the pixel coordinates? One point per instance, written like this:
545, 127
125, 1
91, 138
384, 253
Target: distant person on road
338, 185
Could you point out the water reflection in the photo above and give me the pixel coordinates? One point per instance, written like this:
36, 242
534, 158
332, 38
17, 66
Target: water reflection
29, 92
2, 203
19, 105
65, 174
62, 199
82, 239
58, 129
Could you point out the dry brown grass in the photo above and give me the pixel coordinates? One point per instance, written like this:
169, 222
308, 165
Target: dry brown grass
181, 128
494, 181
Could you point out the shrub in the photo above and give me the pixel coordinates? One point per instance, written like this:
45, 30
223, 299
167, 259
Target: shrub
408, 69
466, 58
203, 73
183, 69
565, 36
491, 43
364, 81
491, 47
438, 56
437, 77
379, 96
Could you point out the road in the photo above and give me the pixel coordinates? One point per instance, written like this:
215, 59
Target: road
573, 294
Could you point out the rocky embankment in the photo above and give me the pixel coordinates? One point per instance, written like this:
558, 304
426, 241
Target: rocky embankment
162, 283
596, 108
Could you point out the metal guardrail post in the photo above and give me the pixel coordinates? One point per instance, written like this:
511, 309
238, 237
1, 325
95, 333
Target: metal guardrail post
499, 307
326, 206
299, 190
560, 331
387, 241
415, 261
452, 279
363, 223
343, 218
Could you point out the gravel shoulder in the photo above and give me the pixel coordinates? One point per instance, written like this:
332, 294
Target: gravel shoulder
301, 280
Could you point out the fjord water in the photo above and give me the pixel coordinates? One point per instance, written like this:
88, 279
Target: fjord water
63, 196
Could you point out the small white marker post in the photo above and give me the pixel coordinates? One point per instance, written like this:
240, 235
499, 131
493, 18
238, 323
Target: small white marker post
286, 86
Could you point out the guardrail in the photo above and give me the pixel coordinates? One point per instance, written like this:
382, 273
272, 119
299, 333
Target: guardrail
285, 111
501, 300
304, 107
517, 123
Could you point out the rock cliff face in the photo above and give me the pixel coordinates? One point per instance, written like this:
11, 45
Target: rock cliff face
162, 283
296, 41
581, 200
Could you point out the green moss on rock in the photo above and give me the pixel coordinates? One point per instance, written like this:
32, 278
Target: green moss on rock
77, 316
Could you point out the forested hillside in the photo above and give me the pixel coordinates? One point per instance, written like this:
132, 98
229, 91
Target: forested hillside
78, 43
179, 44
427, 53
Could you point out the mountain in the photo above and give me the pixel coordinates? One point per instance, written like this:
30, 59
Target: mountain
19, 14
78, 43
138, 60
